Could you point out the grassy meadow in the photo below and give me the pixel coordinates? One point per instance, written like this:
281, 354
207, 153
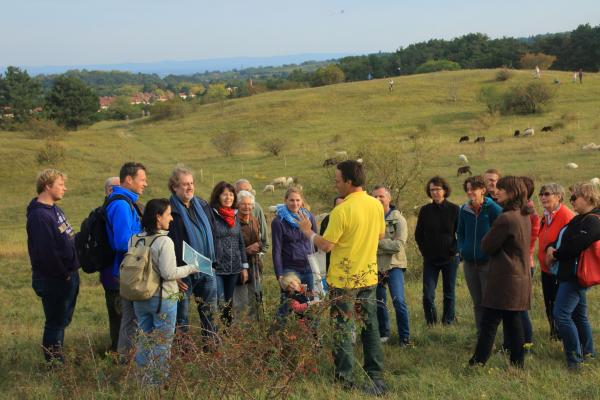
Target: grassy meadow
438, 108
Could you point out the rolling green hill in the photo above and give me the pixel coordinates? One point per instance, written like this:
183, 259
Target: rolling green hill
436, 108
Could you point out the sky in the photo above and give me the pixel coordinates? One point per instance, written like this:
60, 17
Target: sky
69, 32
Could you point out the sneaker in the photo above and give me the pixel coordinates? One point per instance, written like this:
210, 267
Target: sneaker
375, 388
404, 343
384, 339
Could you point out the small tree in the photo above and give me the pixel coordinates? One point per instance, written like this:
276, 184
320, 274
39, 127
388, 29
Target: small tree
541, 60
491, 97
170, 109
51, 153
328, 75
437, 65
530, 99
71, 102
19, 92
227, 143
274, 146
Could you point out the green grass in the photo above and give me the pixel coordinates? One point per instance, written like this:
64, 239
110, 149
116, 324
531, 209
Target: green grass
316, 122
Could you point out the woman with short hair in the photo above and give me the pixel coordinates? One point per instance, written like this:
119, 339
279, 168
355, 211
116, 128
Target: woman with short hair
507, 292
556, 216
232, 263
570, 307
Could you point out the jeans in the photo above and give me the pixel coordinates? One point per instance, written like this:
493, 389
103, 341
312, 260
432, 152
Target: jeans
225, 288
113, 306
513, 330
549, 289
344, 304
430, 280
476, 277
204, 289
154, 345
59, 297
570, 314
395, 281
127, 329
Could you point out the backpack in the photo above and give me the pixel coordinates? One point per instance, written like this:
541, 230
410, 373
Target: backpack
139, 278
92, 243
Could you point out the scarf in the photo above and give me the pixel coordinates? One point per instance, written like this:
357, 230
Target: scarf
228, 215
289, 217
198, 230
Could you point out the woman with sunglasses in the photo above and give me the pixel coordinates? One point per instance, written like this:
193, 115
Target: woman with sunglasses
556, 216
570, 307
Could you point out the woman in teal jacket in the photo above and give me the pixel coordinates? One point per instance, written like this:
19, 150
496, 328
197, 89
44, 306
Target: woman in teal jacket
475, 218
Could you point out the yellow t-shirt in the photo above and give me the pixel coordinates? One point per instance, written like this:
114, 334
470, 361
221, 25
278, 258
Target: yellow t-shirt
354, 226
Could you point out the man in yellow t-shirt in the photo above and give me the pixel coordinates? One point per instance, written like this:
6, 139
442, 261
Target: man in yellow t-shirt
353, 234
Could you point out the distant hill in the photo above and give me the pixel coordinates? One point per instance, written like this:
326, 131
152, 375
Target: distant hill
164, 68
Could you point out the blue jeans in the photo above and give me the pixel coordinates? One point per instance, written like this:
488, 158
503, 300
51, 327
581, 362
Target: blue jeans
59, 297
431, 273
570, 314
225, 288
395, 281
154, 346
204, 289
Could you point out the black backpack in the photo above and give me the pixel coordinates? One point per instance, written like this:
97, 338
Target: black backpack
92, 243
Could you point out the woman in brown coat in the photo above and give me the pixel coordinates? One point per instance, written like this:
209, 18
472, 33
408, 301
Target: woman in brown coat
508, 289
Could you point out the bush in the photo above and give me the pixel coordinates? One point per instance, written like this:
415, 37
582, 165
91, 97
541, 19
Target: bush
329, 75
530, 99
568, 139
170, 109
491, 97
227, 143
44, 129
274, 146
541, 60
437, 65
51, 153
504, 74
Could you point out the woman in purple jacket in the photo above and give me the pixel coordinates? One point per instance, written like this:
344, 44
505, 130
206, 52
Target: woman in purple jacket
290, 246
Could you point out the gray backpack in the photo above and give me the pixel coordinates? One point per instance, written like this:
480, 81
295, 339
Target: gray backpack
139, 278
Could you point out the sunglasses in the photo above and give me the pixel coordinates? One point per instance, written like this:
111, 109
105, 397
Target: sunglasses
573, 197
545, 194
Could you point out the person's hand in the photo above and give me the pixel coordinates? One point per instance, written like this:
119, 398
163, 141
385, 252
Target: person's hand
182, 286
244, 275
304, 223
253, 248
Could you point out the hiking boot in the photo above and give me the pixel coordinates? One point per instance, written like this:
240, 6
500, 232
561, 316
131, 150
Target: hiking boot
375, 388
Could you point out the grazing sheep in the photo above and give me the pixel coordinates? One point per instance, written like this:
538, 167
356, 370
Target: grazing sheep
279, 182
464, 170
572, 165
547, 129
269, 188
330, 162
595, 181
517, 133
463, 159
480, 139
341, 153
463, 139
528, 132
359, 160
591, 146
289, 182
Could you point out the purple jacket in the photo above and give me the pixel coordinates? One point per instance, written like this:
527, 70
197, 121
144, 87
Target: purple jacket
290, 246
50, 241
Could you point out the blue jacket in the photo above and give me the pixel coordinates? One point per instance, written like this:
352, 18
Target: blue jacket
50, 241
123, 223
472, 228
290, 246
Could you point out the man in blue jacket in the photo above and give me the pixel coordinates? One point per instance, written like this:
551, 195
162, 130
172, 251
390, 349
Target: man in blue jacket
54, 264
123, 221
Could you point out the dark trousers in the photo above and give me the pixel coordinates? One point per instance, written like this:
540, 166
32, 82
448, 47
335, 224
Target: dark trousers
431, 273
113, 306
344, 304
513, 331
549, 289
225, 288
204, 290
59, 297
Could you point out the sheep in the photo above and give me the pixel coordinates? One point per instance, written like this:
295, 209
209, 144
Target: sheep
463, 139
341, 153
480, 139
591, 146
572, 165
272, 209
330, 161
279, 182
463, 159
595, 181
517, 133
547, 129
464, 170
269, 188
289, 182
529, 132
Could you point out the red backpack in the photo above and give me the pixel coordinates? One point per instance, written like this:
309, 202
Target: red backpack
588, 266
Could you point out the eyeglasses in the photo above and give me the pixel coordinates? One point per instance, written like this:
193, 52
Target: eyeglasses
573, 197
545, 194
